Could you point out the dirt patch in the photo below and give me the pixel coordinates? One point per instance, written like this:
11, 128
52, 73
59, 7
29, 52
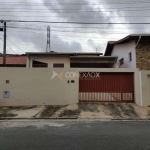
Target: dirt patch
6, 111
148, 109
70, 113
87, 107
128, 110
1, 111
17, 107
10, 108
50, 110
149, 115
7, 114
120, 110
27, 107
112, 110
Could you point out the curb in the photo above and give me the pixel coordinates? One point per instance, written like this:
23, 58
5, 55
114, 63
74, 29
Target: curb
38, 118
130, 119
75, 118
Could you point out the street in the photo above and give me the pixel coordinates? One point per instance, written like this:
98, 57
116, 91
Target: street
74, 135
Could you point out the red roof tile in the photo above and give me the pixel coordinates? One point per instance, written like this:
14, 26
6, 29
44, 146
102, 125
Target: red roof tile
14, 60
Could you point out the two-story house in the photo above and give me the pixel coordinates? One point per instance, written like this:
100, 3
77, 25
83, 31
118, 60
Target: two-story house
133, 51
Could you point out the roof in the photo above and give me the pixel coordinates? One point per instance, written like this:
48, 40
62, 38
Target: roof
93, 59
128, 38
65, 53
14, 60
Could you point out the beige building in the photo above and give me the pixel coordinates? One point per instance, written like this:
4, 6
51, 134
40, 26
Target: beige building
67, 78
69, 60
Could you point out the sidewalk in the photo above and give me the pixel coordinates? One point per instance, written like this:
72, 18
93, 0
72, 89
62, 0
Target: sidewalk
113, 111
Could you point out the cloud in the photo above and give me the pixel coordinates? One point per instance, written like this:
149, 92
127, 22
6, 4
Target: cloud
59, 45
70, 37
98, 47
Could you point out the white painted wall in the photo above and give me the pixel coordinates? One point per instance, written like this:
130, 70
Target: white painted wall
122, 51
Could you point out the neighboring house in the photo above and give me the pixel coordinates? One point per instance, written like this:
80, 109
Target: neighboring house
14, 61
69, 60
133, 51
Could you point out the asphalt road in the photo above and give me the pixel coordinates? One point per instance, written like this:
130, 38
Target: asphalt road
74, 135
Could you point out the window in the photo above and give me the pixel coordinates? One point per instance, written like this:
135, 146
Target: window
37, 64
58, 65
121, 61
130, 56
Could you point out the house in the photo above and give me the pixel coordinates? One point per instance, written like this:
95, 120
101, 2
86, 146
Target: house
69, 60
133, 51
68, 78
14, 61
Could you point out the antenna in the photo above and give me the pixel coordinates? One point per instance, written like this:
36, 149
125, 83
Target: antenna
48, 47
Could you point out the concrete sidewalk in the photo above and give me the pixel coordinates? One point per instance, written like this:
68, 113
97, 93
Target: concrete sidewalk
121, 111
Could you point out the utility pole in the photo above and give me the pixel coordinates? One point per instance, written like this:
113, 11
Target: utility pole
4, 48
48, 47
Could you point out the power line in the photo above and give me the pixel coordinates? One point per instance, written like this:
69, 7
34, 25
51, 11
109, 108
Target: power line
88, 11
78, 9
80, 41
94, 17
14, 44
87, 32
68, 37
77, 32
68, 26
96, 3
9, 47
65, 27
82, 27
53, 22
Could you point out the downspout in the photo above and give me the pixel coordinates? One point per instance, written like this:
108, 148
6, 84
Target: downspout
116, 59
138, 41
141, 89
140, 75
115, 63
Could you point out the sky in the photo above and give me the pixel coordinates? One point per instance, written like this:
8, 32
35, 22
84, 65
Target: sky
25, 37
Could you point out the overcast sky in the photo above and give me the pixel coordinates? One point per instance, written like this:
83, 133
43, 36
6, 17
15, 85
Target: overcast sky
32, 37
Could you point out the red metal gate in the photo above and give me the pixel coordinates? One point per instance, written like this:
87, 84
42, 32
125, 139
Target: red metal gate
106, 87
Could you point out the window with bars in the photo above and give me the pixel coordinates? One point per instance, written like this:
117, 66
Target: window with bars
58, 65
37, 64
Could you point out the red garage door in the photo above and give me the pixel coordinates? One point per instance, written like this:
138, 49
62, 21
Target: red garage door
106, 87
